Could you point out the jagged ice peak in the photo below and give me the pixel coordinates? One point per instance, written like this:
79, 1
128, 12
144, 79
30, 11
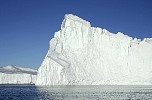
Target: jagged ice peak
70, 20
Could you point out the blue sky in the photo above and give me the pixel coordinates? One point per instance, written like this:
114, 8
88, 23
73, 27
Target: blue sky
26, 26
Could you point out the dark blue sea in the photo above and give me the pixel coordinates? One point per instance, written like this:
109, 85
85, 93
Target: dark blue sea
32, 92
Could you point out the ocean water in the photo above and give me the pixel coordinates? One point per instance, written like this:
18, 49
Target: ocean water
32, 92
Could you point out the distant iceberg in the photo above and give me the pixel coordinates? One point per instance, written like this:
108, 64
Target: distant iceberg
17, 75
83, 55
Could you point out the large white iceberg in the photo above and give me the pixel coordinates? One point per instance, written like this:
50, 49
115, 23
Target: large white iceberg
83, 55
17, 75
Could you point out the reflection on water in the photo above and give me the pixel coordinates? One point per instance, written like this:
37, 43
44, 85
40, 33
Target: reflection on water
27, 92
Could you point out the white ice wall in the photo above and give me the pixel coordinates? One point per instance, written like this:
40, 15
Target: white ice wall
83, 55
17, 78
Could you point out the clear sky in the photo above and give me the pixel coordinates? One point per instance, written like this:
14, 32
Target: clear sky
26, 26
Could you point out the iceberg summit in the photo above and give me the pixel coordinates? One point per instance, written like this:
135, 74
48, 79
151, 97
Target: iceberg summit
83, 55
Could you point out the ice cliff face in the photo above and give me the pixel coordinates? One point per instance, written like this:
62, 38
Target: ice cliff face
83, 55
17, 75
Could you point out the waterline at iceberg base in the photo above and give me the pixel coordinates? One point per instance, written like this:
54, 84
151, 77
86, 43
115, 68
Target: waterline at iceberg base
83, 55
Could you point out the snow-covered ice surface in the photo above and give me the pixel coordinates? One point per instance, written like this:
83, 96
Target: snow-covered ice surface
17, 75
83, 55
26, 92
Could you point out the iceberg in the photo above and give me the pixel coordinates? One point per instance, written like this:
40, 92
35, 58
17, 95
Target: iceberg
80, 54
17, 75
